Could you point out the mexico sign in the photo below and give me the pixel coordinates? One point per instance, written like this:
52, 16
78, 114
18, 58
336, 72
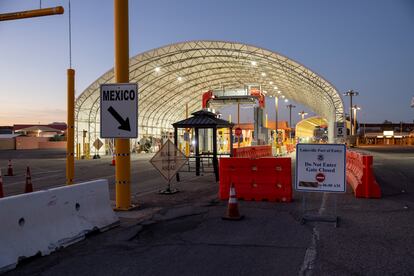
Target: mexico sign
119, 110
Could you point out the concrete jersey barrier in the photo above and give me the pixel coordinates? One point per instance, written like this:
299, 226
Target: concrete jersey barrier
44, 221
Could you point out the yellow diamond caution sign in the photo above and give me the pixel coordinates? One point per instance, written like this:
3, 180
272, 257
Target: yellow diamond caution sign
168, 160
97, 144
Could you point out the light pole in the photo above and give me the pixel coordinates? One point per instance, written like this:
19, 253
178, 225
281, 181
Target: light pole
290, 106
276, 118
354, 109
303, 114
351, 93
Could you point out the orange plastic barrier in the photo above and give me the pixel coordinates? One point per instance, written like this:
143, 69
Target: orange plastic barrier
290, 148
253, 151
256, 179
360, 176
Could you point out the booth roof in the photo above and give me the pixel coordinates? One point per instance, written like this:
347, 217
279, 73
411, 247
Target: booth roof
203, 119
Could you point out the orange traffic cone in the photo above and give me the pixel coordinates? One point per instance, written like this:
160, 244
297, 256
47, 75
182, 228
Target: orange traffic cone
29, 186
1, 185
233, 206
113, 160
10, 169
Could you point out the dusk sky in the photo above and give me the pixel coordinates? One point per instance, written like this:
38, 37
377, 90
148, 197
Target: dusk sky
367, 46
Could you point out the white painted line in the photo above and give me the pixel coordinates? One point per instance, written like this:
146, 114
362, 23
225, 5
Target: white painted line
311, 252
33, 180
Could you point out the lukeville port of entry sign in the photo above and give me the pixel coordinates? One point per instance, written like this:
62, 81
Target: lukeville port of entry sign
320, 168
119, 110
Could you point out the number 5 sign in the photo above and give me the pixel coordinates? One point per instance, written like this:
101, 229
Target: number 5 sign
340, 130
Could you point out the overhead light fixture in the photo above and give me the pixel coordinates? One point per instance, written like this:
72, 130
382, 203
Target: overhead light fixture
254, 63
263, 74
270, 82
157, 69
264, 92
286, 100
283, 96
179, 78
279, 92
275, 87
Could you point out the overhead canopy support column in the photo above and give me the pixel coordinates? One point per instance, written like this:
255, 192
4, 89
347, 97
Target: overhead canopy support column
197, 152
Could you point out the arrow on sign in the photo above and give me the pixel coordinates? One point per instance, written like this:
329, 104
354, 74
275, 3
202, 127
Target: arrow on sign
124, 124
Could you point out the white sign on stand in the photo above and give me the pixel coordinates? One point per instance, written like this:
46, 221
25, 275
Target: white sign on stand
320, 168
119, 110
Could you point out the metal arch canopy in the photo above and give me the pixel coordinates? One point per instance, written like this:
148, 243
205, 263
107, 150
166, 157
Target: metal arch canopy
178, 74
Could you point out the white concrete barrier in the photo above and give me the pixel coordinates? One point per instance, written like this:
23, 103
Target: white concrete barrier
44, 221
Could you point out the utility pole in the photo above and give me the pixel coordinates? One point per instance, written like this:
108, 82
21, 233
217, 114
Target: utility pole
355, 108
290, 106
351, 93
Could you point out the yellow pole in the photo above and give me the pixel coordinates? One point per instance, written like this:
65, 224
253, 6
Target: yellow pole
31, 13
78, 151
121, 69
70, 141
230, 118
266, 122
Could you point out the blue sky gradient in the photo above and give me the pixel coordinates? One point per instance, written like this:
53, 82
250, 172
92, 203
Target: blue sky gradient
366, 45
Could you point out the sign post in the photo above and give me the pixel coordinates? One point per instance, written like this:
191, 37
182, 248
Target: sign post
121, 74
168, 161
320, 168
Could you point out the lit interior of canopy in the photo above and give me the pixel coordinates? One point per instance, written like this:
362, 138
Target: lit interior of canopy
175, 75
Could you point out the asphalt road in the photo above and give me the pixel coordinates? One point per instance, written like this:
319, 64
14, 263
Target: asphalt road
48, 169
184, 234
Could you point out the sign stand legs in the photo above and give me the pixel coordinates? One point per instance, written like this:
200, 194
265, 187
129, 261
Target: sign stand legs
168, 190
308, 216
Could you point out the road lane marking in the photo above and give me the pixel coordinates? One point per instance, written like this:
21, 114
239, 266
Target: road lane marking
311, 252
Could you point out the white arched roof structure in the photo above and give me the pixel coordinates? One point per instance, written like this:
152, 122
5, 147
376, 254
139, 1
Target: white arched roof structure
201, 66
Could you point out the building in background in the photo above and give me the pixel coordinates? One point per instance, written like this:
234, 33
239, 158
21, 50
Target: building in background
29, 136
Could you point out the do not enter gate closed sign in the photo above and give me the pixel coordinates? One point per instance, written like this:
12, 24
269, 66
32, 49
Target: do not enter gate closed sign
320, 168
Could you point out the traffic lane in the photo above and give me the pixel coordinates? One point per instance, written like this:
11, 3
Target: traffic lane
393, 149
48, 173
375, 235
32, 154
393, 169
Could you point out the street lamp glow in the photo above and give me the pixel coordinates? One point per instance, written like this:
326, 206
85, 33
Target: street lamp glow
355, 108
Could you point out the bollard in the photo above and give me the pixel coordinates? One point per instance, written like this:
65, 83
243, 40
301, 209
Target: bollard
10, 169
